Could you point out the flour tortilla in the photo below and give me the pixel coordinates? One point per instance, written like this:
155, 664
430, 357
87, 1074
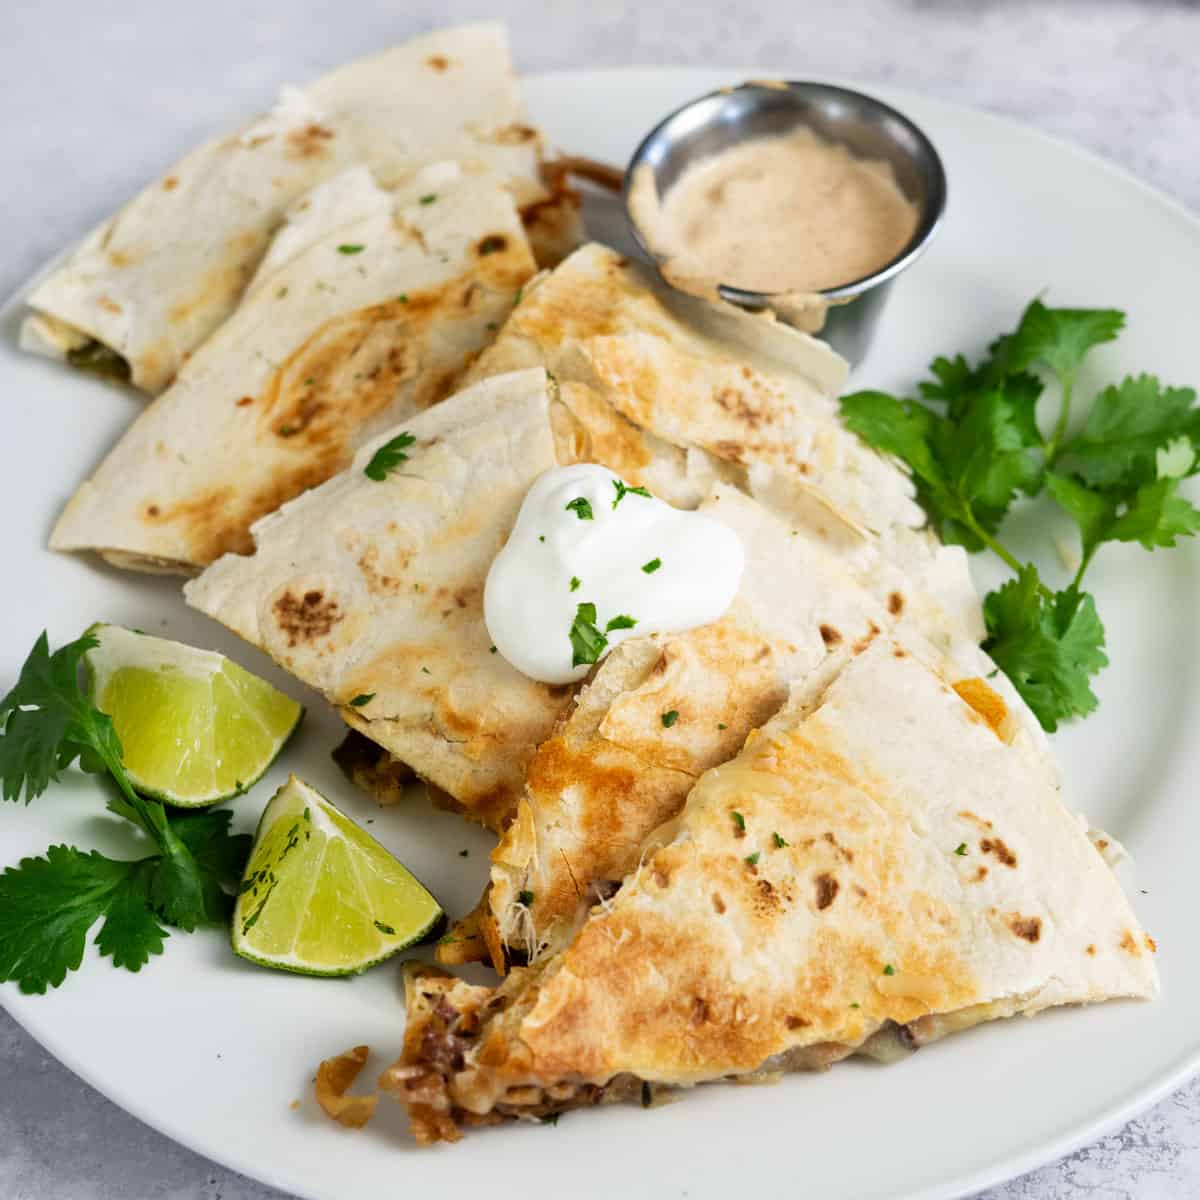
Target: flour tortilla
365, 310
156, 280
365, 588
841, 918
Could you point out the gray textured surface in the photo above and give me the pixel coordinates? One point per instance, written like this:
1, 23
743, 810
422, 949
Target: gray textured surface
98, 98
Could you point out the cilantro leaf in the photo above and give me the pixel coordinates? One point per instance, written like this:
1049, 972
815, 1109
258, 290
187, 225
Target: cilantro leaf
388, 457
623, 490
620, 622
1048, 644
48, 904
1126, 427
1153, 515
969, 467
1056, 338
48, 722
581, 506
587, 642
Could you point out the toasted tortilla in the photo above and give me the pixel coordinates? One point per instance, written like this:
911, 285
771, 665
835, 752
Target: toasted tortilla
612, 772
365, 588
756, 399
875, 869
154, 281
365, 310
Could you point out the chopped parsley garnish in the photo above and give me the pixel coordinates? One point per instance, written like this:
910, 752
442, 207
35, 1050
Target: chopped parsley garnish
517, 297
426, 671
669, 718
48, 904
722, 725
623, 490
752, 859
351, 248
464, 854
541, 537
388, 457
575, 582
961, 848
525, 897
587, 642
581, 506
384, 928
403, 297
652, 566
972, 440
856, 1005
738, 820
620, 622
889, 969
361, 699
779, 841
429, 199
491, 649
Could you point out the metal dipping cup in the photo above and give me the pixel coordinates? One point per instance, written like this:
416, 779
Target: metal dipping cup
868, 128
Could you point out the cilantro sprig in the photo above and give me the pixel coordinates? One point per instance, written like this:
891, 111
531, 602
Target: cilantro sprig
48, 903
974, 445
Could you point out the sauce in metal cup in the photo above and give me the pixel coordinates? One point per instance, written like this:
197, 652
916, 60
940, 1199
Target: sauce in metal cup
870, 131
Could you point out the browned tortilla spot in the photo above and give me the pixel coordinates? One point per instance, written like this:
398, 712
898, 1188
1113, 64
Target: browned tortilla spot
492, 244
827, 890
437, 62
1029, 928
829, 635
309, 142
170, 183
304, 619
994, 845
895, 604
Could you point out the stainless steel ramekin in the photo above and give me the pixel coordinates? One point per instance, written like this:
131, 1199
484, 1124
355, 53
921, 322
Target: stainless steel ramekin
867, 127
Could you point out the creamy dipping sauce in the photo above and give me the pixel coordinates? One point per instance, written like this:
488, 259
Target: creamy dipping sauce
790, 214
592, 562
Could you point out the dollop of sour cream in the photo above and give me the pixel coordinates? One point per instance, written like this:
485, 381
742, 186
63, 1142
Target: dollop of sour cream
592, 562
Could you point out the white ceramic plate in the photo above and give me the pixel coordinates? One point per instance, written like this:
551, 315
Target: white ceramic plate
213, 1051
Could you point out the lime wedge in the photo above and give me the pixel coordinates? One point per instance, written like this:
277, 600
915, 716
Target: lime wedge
322, 897
195, 728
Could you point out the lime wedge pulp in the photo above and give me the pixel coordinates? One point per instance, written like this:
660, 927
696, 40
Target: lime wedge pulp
321, 896
195, 728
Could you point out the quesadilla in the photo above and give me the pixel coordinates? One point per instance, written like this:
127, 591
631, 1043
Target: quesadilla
365, 310
371, 592
875, 869
150, 284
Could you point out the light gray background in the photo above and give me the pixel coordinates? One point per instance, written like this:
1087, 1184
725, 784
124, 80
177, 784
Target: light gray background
98, 97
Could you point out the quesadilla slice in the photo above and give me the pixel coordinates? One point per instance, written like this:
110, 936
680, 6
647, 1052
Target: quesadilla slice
371, 591
149, 285
875, 869
753, 397
365, 310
